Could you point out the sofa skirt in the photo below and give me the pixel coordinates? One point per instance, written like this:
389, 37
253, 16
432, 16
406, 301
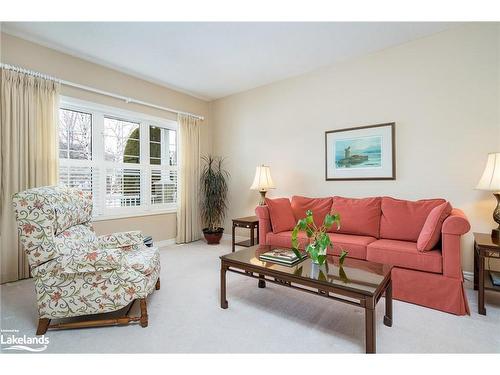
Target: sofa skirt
430, 290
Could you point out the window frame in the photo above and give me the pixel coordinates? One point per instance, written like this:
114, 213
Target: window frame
98, 162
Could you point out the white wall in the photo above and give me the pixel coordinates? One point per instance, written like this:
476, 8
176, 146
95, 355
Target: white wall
442, 91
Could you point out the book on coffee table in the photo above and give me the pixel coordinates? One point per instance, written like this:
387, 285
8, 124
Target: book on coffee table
282, 256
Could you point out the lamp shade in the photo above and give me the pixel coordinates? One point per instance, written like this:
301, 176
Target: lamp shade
262, 180
490, 180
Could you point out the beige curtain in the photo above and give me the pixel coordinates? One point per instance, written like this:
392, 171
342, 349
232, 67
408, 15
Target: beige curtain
188, 215
28, 157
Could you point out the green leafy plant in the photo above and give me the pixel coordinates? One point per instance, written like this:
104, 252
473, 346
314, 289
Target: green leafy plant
319, 241
213, 202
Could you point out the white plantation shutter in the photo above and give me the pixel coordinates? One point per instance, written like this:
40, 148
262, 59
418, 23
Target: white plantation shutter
163, 186
74, 176
123, 187
86, 178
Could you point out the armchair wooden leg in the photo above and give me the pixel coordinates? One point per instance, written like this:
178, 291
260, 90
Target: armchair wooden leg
157, 286
43, 325
144, 313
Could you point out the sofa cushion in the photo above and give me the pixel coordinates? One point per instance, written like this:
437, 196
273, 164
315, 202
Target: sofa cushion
404, 220
281, 213
284, 239
357, 216
404, 254
319, 206
431, 232
355, 245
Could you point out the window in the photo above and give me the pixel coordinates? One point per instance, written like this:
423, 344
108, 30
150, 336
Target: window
127, 160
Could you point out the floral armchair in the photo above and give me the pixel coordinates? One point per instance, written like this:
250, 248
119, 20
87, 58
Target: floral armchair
77, 272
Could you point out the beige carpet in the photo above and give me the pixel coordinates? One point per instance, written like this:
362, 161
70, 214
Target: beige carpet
184, 316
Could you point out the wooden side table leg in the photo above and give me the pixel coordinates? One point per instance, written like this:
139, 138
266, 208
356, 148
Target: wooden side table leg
370, 333
480, 293
223, 301
388, 305
476, 268
233, 241
252, 234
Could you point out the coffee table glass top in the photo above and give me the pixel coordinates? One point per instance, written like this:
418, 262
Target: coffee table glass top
360, 276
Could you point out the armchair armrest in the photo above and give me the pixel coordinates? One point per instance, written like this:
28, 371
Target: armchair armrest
121, 240
262, 213
91, 261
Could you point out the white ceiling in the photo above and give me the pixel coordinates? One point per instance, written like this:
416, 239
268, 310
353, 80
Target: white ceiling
212, 60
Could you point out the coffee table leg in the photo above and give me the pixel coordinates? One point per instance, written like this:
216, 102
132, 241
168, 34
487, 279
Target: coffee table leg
262, 282
388, 305
223, 301
370, 330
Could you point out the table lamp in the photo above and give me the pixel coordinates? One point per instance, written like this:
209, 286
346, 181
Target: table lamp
490, 181
262, 182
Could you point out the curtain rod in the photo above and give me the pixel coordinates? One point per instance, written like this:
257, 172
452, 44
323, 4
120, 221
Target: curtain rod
97, 91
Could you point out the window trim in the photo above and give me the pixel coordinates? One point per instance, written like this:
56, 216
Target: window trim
98, 112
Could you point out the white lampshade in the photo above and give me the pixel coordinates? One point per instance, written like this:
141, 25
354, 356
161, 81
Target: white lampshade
262, 180
490, 180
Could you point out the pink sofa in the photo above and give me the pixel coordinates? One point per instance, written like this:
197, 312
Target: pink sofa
386, 230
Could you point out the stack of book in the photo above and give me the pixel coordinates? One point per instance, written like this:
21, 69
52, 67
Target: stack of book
285, 257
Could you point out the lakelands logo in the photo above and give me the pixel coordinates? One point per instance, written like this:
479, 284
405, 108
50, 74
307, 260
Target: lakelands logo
12, 341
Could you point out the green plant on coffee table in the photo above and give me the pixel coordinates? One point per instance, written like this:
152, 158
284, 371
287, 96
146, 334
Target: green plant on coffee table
319, 241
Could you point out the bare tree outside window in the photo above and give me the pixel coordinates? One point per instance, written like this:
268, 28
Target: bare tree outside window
75, 135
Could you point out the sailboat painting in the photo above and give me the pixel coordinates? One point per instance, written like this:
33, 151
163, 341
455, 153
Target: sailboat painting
362, 153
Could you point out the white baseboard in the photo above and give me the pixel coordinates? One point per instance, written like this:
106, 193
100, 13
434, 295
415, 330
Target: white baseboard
163, 243
468, 275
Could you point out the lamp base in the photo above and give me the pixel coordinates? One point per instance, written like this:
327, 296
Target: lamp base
262, 201
495, 233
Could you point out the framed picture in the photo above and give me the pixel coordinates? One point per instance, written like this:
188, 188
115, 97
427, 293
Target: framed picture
363, 153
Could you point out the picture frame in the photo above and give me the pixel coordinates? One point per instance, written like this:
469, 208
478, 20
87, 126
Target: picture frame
361, 153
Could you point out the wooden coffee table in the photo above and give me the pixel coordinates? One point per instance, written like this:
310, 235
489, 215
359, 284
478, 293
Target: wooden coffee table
357, 282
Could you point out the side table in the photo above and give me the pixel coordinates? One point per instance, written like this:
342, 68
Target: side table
249, 222
484, 247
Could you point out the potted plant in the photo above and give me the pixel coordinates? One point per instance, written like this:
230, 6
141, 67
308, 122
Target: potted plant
213, 202
319, 241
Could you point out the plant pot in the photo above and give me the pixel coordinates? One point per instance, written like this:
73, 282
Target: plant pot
213, 237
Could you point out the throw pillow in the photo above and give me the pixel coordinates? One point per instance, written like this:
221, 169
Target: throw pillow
431, 232
280, 211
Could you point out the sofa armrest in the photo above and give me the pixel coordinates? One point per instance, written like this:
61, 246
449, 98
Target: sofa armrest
453, 228
121, 240
456, 223
262, 213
